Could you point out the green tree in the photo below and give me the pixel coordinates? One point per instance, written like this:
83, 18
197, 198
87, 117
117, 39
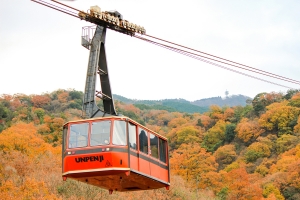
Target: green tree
257, 150
40, 113
262, 100
222, 195
75, 105
241, 112
230, 132
199, 123
3, 112
187, 135
76, 94
286, 142
290, 93
215, 136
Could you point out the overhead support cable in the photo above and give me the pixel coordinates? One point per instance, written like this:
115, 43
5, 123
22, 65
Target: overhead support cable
252, 68
58, 8
66, 6
197, 57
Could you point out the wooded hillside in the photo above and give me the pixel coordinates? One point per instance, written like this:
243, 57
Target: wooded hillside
239, 152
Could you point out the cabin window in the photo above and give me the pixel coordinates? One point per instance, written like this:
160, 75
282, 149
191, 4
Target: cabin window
143, 141
78, 135
154, 145
162, 150
100, 134
65, 132
119, 135
132, 136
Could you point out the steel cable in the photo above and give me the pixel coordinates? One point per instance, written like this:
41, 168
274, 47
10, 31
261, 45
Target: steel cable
55, 7
265, 72
192, 55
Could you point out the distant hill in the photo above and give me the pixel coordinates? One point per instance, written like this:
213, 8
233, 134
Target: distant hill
182, 105
234, 100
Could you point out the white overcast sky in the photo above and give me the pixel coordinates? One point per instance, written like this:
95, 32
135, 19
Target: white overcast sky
40, 48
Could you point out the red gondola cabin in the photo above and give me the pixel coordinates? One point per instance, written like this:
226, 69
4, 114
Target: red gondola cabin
115, 153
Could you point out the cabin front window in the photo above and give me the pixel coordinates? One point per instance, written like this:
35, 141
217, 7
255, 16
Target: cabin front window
78, 135
100, 133
119, 133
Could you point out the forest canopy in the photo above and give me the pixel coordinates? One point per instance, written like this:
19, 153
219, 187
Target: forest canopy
231, 152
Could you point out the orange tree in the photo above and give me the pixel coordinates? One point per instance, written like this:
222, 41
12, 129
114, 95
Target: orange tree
247, 130
193, 163
280, 118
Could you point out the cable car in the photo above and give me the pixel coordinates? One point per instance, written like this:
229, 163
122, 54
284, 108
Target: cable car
115, 153
105, 149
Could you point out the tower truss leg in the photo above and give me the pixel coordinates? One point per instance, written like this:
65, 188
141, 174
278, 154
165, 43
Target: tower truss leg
97, 65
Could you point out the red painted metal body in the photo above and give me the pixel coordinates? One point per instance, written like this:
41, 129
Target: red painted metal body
116, 167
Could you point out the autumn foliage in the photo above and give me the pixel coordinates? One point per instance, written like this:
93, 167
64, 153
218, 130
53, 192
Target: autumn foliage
227, 153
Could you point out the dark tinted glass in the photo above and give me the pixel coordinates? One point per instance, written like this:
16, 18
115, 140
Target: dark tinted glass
162, 150
143, 141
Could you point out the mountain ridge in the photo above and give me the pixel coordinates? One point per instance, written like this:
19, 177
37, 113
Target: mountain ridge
183, 105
